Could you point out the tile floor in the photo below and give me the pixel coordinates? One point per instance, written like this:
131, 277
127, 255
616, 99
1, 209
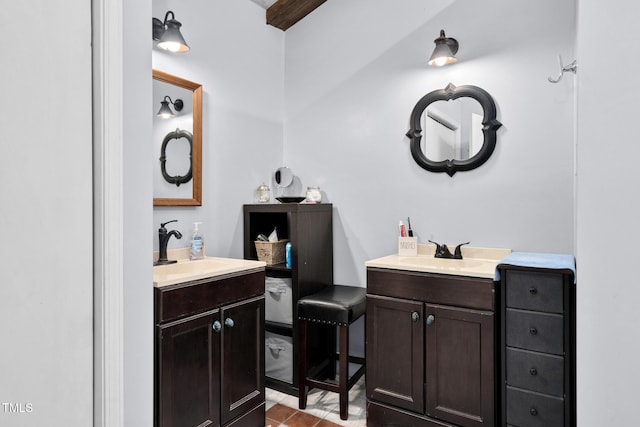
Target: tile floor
322, 409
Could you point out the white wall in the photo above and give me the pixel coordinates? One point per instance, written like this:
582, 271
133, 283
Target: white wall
46, 215
239, 61
353, 72
137, 217
607, 214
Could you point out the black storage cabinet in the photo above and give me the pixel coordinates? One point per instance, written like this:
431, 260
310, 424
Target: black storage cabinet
537, 347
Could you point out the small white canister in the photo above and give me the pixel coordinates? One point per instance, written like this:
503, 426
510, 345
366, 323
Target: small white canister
313, 195
263, 194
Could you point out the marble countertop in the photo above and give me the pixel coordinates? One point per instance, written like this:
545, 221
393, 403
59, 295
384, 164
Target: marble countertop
476, 262
185, 270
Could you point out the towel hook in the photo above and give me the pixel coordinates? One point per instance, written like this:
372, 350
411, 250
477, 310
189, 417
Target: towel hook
563, 69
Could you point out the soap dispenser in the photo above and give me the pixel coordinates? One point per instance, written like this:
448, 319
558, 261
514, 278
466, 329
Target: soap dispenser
197, 243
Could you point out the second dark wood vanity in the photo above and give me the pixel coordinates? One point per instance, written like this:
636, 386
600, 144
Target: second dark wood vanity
430, 349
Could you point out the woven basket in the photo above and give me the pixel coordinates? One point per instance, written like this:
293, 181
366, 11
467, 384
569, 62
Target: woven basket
271, 252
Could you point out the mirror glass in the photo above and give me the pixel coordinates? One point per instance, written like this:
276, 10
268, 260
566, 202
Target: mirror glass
177, 142
283, 177
453, 129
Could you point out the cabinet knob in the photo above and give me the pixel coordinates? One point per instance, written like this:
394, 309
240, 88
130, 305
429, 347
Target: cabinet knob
415, 316
533, 371
533, 331
533, 290
533, 411
229, 322
216, 326
430, 319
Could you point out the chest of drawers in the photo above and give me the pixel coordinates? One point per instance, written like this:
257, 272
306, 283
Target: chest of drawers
537, 347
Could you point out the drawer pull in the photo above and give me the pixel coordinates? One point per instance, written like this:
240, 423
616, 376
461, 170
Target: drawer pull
533, 371
533, 290
415, 316
533, 411
229, 322
430, 319
216, 326
533, 331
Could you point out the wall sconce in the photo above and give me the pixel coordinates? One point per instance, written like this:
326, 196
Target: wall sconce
445, 51
168, 34
165, 111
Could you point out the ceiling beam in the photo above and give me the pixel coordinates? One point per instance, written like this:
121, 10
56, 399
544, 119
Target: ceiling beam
284, 13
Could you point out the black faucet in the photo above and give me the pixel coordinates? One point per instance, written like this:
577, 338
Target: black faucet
442, 251
163, 237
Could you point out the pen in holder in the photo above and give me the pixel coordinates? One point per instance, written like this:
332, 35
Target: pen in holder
407, 246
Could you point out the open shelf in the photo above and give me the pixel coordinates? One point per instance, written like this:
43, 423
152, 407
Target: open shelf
309, 228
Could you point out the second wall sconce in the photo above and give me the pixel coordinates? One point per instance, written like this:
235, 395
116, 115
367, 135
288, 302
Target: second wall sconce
165, 111
445, 51
168, 34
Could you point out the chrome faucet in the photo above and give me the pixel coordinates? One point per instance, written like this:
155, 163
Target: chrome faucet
442, 251
163, 237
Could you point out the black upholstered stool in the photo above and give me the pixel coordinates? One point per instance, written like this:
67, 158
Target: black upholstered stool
335, 305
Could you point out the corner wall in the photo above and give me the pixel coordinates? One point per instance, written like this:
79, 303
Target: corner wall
137, 291
607, 215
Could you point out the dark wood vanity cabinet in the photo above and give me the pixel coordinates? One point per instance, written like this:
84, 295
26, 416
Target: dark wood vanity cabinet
209, 352
430, 349
537, 344
309, 228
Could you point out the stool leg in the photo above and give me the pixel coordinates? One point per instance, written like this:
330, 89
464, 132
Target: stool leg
343, 358
302, 364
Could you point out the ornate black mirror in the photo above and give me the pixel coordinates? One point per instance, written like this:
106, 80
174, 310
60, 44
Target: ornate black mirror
186, 157
459, 126
177, 170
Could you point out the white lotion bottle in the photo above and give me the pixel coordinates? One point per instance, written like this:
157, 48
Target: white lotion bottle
197, 243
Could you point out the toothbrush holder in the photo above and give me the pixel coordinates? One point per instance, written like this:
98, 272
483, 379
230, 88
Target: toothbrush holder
407, 246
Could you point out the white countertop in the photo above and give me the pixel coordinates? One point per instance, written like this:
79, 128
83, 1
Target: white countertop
185, 270
476, 262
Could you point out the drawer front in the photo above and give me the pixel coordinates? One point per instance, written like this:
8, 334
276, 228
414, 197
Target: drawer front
459, 291
535, 331
528, 409
182, 300
534, 291
539, 372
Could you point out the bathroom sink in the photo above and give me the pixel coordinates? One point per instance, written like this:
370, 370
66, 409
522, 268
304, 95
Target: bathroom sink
476, 262
186, 270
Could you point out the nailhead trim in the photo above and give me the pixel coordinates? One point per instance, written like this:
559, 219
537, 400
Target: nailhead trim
326, 322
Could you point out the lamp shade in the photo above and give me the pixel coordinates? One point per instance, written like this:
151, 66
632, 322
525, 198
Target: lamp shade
172, 39
165, 111
444, 52
168, 34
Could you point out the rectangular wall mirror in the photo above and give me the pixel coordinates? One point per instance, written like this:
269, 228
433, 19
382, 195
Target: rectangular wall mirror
177, 141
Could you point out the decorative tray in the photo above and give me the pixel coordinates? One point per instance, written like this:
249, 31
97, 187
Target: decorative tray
290, 199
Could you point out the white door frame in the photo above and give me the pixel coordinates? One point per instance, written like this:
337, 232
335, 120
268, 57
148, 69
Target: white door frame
108, 81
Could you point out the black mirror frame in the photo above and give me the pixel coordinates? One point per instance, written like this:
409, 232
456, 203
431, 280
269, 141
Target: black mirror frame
177, 180
489, 127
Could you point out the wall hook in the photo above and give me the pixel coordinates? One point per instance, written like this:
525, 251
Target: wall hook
563, 69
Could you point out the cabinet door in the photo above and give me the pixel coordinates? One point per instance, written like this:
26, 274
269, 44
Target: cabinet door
460, 365
188, 374
395, 342
242, 369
